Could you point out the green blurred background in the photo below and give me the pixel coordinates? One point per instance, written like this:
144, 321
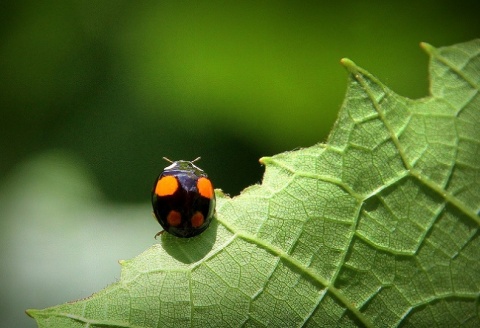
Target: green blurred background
93, 94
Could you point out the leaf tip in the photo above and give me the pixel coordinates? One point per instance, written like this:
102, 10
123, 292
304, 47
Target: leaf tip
349, 65
220, 193
428, 48
30, 312
265, 160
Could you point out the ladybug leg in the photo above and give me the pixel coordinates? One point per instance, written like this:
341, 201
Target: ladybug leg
159, 233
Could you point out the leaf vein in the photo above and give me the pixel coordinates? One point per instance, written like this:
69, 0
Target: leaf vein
304, 270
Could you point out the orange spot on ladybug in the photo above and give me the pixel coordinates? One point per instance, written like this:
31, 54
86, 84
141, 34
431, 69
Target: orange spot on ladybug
174, 218
166, 186
197, 219
205, 188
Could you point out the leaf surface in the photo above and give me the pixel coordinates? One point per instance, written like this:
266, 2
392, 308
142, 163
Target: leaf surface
377, 227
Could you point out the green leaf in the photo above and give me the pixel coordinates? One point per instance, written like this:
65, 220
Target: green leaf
377, 227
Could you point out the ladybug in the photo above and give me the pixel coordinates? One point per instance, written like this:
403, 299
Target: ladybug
183, 199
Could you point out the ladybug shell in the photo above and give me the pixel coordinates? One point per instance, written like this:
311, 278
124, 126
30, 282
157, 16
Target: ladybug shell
183, 199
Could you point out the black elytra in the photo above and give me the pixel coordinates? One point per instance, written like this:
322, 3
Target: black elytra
183, 199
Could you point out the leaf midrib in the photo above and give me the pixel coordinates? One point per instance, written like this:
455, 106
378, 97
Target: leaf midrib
447, 196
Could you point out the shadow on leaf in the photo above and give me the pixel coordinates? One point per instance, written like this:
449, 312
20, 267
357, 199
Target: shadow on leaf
190, 250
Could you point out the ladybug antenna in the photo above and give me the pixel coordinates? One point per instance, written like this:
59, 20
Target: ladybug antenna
168, 160
196, 159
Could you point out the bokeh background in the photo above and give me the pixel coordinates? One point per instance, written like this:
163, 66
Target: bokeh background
94, 93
